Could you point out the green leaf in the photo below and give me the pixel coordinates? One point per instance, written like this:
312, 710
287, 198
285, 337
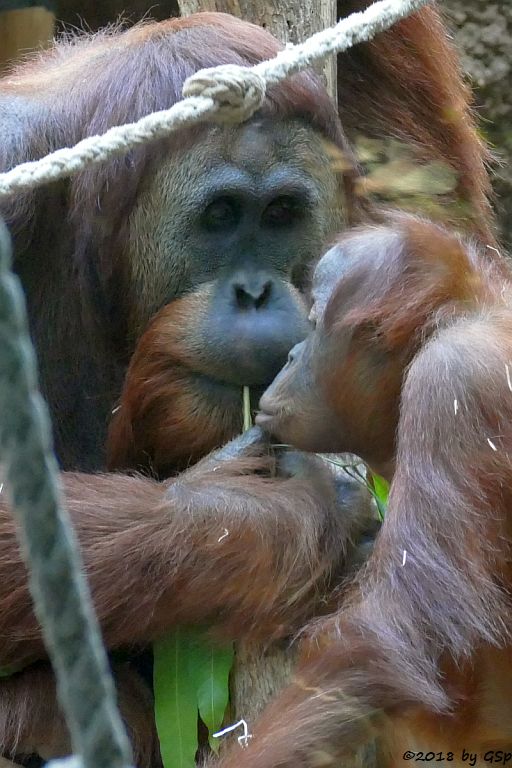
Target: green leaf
375, 484
213, 665
380, 493
190, 674
175, 699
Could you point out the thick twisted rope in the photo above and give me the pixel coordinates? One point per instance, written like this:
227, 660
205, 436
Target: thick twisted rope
228, 93
57, 583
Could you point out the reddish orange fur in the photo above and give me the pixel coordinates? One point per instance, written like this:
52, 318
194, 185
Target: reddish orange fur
153, 564
163, 419
180, 573
31, 719
152, 549
420, 654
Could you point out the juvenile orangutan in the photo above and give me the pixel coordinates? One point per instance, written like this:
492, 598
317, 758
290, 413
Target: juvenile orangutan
409, 366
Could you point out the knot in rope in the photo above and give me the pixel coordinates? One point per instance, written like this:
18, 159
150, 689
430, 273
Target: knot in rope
237, 91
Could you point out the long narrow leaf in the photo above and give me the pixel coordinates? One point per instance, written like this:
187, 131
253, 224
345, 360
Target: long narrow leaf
381, 493
175, 700
213, 665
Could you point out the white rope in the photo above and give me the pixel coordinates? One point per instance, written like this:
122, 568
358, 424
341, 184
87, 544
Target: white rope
228, 93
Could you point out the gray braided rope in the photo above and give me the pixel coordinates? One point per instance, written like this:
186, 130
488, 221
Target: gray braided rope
228, 93
57, 583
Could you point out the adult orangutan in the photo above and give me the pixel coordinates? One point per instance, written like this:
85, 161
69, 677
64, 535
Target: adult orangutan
230, 219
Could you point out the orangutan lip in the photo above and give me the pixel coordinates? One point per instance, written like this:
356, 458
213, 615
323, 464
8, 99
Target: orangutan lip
263, 419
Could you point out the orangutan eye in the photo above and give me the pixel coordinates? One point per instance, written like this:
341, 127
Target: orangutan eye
284, 211
220, 215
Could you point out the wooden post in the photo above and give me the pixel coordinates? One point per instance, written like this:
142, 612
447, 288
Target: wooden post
291, 21
259, 672
24, 30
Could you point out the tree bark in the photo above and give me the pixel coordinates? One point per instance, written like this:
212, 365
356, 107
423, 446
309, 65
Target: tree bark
291, 21
259, 673
24, 30
483, 31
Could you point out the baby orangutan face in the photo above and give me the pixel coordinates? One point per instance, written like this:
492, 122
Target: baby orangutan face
293, 408
340, 388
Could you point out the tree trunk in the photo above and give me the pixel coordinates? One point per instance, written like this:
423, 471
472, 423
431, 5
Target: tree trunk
24, 30
259, 673
483, 31
291, 21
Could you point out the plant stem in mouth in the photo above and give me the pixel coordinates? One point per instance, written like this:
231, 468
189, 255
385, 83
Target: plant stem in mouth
247, 408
